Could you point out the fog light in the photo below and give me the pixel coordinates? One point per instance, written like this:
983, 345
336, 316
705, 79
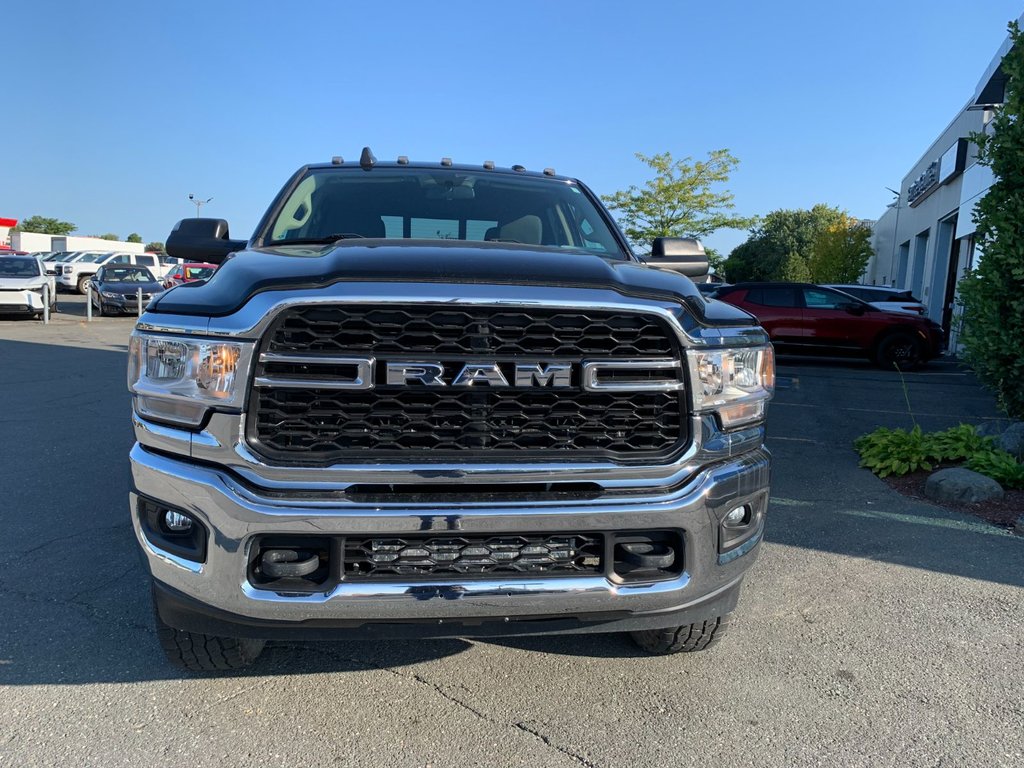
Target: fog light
737, 516
177, 522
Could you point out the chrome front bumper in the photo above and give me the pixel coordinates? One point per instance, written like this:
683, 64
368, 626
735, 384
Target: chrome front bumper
235, 513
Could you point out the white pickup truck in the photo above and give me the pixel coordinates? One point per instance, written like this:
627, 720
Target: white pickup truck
75, 275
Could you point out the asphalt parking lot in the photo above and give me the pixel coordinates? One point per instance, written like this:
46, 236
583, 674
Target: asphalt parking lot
873, 631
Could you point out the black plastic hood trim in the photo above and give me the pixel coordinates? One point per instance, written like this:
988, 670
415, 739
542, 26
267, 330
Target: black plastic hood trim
249, 272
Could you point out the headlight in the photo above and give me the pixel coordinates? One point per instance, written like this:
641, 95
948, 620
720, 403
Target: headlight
110, 295
178, 378
734, 383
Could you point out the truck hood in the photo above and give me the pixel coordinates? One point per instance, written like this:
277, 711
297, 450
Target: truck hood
255, 270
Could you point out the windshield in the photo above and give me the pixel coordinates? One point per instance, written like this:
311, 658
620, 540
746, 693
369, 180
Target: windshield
91, 258
198, 273
443, 204
12, 267
127, 275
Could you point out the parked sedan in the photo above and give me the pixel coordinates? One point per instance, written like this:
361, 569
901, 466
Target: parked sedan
189, 273
115, 288
22, 283
810, 319
882, 297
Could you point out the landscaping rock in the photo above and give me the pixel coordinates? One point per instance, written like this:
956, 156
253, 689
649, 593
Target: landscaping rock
1012, 440
992, 428
961, 486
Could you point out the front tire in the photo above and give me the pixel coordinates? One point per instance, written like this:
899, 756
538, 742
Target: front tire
83, 281
206, 653
683, 639
901, 351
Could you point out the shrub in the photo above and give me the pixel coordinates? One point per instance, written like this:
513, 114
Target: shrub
897, 452
1000, 466
894, 451
958, 443
993, 295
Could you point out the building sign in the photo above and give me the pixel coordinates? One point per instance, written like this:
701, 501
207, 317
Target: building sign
924, 183
953, 161
950, 165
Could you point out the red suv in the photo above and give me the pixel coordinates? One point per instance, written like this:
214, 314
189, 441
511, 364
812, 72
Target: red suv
809, 319
189, 273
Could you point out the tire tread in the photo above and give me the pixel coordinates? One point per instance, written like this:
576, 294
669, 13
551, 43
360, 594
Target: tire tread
206, 653
684, 639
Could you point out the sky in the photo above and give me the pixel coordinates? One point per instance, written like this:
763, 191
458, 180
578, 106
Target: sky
116, 111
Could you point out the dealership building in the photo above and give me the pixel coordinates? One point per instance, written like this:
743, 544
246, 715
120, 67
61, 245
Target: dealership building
925, 240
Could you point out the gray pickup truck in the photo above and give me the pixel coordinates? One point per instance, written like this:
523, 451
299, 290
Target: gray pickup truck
440, 400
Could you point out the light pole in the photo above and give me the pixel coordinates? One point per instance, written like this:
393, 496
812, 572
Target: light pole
199, 203
895, 234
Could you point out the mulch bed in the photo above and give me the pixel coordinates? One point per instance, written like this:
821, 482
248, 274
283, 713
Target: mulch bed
1002, 513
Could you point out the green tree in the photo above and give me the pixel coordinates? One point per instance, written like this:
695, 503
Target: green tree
794, 268
155, 247
45, 226
781, 244
685, 198
993, 294
108, 236
840, 252
134, 237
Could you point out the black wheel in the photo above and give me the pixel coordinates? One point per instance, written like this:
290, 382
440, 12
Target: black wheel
83, 281
684, 639
206, 653
899, 350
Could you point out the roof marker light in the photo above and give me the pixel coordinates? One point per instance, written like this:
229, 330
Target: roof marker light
549, 171
403, 160
337, 160
488, 165
518, 167
446, 162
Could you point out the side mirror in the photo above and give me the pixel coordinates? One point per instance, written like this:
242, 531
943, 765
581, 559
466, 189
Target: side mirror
680, 254
854, 308
202, 240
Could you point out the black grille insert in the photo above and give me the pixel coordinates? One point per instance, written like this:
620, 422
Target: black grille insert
292, 419
524, 554
383, 330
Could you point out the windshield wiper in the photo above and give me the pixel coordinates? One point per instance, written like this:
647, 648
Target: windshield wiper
325, 240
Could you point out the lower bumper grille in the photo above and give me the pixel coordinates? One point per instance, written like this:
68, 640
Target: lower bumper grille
568, 554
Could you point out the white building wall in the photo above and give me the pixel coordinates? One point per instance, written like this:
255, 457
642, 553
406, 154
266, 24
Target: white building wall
72, 243
30, 241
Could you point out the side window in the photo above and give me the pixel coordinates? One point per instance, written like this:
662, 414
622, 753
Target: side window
148, 261
773, 296
120, 259
817, 298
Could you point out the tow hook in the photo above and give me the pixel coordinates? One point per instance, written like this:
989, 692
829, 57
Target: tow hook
287, 563
648, 554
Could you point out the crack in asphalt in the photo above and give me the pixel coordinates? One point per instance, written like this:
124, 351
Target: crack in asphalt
519, 725
75, 598
92, 613
92, 531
